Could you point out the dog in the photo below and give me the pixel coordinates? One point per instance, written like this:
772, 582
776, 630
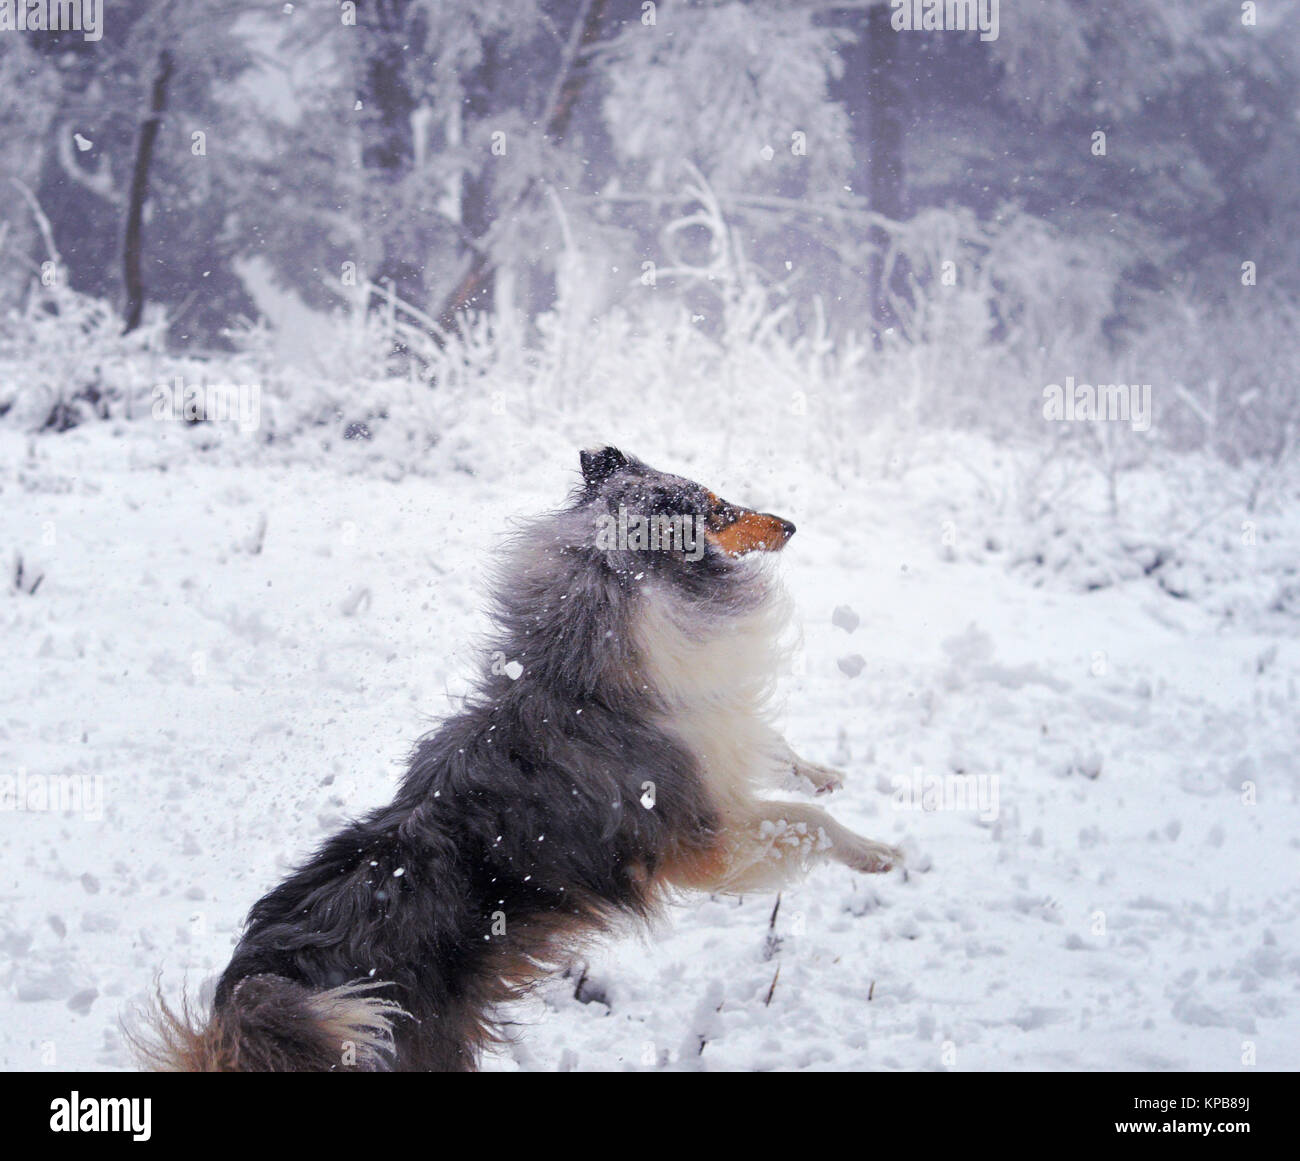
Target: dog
610, 759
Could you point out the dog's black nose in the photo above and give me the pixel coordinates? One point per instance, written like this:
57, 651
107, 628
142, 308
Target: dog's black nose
787, 528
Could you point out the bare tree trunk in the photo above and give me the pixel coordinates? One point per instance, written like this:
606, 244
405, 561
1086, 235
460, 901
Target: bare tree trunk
885, 175
389, 143
133, 246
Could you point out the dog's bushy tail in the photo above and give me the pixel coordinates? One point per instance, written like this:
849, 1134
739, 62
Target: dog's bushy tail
272, 1024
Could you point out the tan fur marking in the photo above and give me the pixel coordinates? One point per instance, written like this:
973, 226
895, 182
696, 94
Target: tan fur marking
699, 870
753, 532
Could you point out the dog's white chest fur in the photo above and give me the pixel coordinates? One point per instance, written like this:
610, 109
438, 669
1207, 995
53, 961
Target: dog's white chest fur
716, 677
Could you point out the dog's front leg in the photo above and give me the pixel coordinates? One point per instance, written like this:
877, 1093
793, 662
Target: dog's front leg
808, 831
824, 778
772, 842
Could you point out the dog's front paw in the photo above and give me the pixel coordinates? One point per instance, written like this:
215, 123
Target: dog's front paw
824, 778
870, 857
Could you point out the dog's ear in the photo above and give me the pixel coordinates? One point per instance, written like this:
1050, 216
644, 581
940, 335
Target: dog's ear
598, 464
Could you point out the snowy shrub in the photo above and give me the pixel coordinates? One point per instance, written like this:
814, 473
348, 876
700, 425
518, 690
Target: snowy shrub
64, 360
1231, 381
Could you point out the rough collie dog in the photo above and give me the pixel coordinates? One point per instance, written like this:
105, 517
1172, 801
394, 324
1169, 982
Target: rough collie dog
612, 753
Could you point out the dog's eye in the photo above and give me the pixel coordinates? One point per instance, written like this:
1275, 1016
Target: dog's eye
722, 514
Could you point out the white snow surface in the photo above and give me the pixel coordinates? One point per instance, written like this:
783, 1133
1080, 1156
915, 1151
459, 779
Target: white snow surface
242, 647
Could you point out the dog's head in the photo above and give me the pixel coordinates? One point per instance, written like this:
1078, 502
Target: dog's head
639, 509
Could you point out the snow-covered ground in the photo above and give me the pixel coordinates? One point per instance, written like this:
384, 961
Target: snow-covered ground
236, 652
